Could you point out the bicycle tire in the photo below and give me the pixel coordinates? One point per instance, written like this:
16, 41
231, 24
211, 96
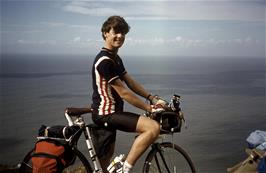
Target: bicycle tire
81, 164
168, 158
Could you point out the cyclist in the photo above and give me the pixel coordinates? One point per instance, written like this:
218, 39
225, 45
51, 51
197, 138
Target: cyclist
111, 85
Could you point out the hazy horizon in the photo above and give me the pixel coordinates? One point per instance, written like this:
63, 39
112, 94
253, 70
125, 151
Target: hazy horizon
183, 28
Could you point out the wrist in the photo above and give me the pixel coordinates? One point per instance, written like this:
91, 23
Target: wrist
148, 97
151, 97
149, 108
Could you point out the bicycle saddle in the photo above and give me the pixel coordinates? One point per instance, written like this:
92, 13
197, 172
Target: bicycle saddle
71, 111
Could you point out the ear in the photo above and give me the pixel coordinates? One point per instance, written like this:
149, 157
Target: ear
105, 34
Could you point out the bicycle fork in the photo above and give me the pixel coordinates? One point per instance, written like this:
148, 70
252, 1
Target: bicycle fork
93, 156
156, 146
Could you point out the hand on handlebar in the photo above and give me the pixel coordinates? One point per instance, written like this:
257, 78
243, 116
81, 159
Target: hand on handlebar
157, 108
159, 104
156, 100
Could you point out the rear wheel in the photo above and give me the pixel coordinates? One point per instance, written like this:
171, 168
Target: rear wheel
80, 164
168, 158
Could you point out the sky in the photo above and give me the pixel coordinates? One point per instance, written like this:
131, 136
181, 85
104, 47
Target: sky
214, 28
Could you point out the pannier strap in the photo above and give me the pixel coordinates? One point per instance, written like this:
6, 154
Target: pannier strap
46, 132
77, 111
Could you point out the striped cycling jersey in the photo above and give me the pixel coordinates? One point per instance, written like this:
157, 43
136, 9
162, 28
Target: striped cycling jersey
106, 68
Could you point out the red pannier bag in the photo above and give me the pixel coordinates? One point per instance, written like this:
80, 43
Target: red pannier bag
52, 153
49, 157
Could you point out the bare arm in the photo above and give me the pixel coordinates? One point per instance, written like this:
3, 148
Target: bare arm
140, 90
136, 87
129, 96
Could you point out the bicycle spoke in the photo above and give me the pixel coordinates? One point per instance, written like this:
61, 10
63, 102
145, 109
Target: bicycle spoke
157, 163
27, 165
168, 159
164, 162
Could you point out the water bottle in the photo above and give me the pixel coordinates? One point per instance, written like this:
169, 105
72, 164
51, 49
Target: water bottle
116, 163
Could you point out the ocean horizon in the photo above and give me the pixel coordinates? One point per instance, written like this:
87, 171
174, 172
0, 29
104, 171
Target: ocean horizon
223, 100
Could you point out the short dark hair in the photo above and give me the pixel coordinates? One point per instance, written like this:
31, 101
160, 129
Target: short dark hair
118, 23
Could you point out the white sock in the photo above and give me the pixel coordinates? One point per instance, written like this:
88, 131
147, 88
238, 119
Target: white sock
127, 167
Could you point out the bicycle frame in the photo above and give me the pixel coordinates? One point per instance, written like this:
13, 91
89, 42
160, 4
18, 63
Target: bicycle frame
85, 128
74, 117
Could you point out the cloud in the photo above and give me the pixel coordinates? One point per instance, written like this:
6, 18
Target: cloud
53, 24
76, 40
182, 42
84, 28
172, 10
35, 42
89, 8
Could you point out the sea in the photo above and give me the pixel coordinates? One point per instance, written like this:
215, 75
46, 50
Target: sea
223, 100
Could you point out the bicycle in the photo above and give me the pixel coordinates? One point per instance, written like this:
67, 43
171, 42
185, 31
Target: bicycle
165, 157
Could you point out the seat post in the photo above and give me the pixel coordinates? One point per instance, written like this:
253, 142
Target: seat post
69, 119
92, 152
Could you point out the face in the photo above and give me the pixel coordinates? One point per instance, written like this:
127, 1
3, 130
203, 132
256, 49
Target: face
114, 40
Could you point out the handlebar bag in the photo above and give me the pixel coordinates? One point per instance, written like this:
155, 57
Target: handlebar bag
170, 121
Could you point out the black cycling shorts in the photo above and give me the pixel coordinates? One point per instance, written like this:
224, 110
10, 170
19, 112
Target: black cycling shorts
102, 139
124, 121
105, 134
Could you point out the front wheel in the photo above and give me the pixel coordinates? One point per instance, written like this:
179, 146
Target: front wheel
168, 158
80, 165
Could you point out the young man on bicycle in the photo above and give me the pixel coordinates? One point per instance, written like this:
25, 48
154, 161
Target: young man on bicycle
111, 85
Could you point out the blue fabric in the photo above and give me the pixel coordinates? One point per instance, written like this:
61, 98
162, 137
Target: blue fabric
262, 166
262, 146
256, 138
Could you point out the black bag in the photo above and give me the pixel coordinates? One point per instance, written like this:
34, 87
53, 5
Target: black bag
52, 152
58, 132
170, 121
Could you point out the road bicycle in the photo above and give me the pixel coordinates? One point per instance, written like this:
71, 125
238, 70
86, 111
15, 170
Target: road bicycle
164, 157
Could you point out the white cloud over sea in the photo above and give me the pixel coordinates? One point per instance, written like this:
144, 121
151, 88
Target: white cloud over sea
158, 27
